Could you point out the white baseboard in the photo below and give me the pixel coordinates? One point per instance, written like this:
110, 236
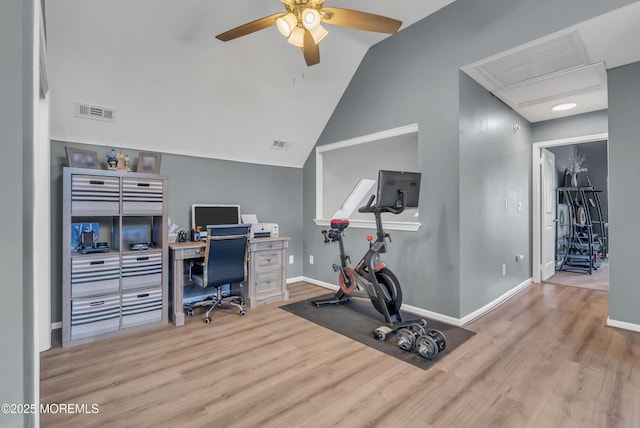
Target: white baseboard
495, 303
295, 279
623, 325
429, 314
56, 325
458, 322
333, 287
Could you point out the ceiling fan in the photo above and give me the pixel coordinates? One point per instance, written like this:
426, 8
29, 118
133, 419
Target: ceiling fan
301, 24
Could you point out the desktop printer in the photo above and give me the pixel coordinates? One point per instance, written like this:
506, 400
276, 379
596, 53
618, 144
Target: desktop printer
264, 230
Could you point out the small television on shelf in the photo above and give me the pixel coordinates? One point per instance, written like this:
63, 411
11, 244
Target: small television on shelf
390, 183
136, 232
203, 215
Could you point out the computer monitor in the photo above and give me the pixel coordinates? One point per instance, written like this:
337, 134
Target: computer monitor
204, 215
391, 182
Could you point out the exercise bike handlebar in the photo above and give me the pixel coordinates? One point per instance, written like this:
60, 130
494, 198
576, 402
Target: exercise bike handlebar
369, 208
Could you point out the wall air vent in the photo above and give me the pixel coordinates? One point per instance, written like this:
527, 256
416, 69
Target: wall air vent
88, 111
280, 145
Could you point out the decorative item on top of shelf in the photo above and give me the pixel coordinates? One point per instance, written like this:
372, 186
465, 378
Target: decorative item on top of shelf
575, 165
149, 162
120, 161
80, 158
112, 160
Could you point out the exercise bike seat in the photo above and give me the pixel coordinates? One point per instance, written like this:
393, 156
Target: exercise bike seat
339, 224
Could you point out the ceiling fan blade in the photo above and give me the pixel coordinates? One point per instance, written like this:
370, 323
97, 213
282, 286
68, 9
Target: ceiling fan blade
250, 27
359, 20
310, 50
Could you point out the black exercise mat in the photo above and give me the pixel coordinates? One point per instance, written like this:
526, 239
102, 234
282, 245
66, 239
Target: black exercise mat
358, 318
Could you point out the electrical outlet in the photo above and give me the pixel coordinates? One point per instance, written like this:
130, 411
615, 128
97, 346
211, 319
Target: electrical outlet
310, 260
519, 205
506, 204
504, 270
291, 259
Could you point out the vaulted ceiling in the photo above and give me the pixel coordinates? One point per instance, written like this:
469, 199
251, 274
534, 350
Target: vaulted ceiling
174, 88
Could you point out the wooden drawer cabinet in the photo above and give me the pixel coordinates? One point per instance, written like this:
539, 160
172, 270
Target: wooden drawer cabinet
267, 271
95, 316
104, 293
141, 307
142, 196
92, 276
95, 194
141, 269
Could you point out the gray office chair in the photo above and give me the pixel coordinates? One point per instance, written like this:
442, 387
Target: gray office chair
225, 263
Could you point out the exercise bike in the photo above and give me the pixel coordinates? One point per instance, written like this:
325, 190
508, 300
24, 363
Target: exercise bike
371, 278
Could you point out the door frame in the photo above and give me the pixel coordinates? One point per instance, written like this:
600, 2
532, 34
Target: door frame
536, 193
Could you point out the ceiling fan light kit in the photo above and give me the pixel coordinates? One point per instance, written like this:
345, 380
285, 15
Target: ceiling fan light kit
318, 33
286, 24
301, 24
297, 37
310, 18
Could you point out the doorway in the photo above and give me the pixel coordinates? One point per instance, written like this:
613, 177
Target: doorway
599, 278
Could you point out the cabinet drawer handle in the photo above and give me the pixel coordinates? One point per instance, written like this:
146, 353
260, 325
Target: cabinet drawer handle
97, 262
98, 303
140, 259
140, 296
143, 185
270, 245
269, 259
100, 183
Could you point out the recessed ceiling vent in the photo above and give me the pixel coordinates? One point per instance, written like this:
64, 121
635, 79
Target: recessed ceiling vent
531, 61
280, 145
88, 111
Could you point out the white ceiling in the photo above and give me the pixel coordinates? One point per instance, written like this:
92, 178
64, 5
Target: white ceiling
568, 66
176, 89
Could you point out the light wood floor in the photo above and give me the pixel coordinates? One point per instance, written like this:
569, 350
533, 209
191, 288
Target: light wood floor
598, 280
543, 359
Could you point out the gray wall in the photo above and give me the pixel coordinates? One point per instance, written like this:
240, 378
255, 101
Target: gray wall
413, 77
495, 174
17, 330
624, 204
273, 193
595, 122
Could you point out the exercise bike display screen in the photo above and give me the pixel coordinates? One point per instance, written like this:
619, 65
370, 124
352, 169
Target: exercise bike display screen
390, 183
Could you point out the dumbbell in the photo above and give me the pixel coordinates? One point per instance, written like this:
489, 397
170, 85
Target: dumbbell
407, 336
430, 344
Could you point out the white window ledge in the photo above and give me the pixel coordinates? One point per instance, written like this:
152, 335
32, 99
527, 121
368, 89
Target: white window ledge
367, 224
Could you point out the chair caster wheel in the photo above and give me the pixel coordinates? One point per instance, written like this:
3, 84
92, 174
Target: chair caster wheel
243, 313
207, 320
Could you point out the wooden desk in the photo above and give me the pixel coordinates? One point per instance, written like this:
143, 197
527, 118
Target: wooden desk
266, 275
178, 253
